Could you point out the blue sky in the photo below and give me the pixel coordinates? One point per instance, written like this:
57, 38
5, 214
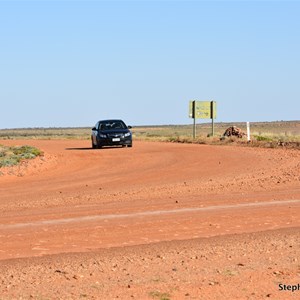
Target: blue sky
71, 63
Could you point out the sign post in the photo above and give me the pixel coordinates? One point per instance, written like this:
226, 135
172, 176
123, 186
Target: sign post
194, 126
213, 115
202, 110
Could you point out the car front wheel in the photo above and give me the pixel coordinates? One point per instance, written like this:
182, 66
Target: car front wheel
93, 145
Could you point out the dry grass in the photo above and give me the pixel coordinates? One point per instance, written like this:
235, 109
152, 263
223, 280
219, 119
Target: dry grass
288, 130
45, 133
263, 134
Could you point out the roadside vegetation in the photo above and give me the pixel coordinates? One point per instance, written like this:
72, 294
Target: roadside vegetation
11, 156
45, 133
263, 134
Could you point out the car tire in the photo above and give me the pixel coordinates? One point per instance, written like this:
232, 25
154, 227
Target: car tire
93, 145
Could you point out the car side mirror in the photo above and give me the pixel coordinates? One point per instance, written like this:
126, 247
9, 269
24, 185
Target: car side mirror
129, 127
94, 129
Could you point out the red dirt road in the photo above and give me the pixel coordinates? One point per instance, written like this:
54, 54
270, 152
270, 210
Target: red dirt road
143, 201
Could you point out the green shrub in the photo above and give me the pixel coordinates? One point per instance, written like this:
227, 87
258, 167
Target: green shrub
11, 156
8, 162
263, 138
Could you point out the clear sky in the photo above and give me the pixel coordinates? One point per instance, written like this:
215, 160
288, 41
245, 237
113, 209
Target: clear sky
71, 63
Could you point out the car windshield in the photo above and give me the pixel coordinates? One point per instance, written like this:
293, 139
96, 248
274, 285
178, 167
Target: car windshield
112, 125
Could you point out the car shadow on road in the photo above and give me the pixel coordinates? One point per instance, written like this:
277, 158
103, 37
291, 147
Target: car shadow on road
90, 148
86, 148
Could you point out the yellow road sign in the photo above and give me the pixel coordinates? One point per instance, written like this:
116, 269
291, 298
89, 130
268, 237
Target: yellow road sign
203, 109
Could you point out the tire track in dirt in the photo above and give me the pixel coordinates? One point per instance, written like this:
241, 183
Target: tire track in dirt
93, 218
89, 233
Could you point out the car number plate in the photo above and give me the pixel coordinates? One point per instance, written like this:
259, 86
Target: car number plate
116, 139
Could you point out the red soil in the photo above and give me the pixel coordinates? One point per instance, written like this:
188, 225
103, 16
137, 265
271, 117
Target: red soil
156, 221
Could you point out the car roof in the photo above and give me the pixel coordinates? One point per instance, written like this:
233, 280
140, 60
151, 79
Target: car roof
112, 120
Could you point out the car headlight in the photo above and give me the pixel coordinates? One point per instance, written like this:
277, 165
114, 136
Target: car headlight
102, 135
127, 134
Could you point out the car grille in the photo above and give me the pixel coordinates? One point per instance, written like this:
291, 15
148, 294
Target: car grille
115, 135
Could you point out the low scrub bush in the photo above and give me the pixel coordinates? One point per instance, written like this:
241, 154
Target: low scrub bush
11, 156
263, 138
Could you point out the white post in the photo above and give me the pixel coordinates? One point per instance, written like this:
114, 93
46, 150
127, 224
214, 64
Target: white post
248, 131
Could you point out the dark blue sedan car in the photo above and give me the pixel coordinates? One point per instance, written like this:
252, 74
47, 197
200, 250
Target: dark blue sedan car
111, 133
